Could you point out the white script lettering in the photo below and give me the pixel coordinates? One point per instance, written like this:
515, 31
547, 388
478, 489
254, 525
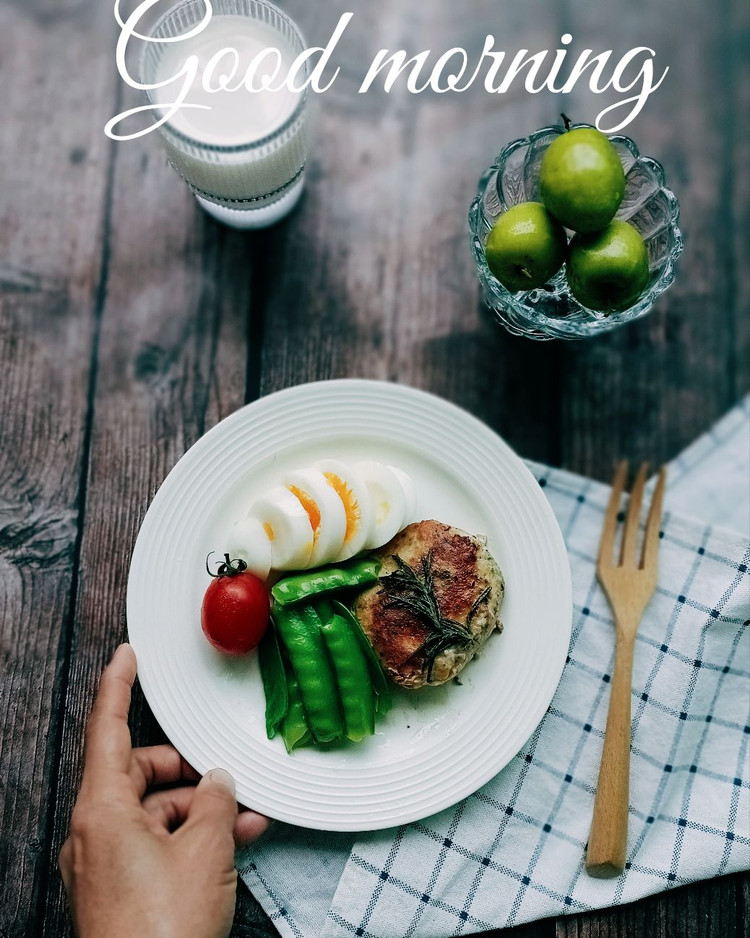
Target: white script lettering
633, 74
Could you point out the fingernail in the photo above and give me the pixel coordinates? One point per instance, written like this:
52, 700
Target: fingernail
222, 777
125, 649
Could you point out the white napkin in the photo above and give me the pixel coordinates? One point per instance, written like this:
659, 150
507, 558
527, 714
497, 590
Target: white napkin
710, 480
514, 851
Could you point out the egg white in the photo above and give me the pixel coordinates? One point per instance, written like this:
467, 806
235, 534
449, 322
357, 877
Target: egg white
356, 500
288, 527
328, 535
387, 499
248, 541
410, 495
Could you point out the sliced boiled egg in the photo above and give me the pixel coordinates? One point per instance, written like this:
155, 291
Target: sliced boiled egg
287, 525
387, 499
352, 491
410, 494
249, 541
324, 509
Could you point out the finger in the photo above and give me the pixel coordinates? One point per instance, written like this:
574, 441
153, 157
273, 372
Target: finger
249, 826
108, 737
65, 864
213, 810
169, 808
159, 765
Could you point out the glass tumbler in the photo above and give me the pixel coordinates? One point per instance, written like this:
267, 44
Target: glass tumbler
241, 151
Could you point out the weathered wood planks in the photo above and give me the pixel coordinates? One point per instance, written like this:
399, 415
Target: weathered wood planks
53, 208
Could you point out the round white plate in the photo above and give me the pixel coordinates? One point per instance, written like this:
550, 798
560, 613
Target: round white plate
437, 745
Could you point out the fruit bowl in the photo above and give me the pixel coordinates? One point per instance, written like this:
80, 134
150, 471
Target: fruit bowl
551, 312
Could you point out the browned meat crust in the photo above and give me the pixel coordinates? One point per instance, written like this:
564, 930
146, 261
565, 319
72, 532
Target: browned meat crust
468, 586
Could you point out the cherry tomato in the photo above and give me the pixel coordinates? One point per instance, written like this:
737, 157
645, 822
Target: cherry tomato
235, 609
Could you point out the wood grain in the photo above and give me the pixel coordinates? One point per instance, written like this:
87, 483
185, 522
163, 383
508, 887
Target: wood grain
53, 202
373, 277
647, 391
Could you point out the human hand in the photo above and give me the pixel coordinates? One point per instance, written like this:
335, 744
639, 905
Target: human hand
156, 864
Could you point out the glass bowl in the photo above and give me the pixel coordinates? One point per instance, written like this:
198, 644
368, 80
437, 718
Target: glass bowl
550, 312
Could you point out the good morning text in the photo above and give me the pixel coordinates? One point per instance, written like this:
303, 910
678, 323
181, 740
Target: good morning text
633, 75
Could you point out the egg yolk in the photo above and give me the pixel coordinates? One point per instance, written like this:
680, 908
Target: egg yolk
351, 508
310, 506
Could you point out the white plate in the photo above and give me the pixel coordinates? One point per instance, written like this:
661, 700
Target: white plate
437, 745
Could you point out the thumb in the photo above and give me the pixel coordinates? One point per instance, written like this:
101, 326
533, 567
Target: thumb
213, 808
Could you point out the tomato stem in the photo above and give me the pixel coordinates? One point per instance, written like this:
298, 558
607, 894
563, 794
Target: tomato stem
227, 568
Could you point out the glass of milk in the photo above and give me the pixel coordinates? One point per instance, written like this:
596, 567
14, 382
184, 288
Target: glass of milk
241, 151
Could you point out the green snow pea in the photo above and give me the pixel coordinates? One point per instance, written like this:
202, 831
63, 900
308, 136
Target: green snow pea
274, 682
294, 728
380, 683
324, 608
353, 677
300, 633
302, 586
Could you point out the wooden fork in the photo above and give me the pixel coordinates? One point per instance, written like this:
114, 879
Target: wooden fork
629, 585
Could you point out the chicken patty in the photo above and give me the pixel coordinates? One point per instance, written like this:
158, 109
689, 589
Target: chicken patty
437, 602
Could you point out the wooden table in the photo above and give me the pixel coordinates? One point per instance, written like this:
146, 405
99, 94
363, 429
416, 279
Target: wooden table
131, 324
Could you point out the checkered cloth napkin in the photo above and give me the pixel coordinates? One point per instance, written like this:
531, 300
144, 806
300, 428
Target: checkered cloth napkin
514, 851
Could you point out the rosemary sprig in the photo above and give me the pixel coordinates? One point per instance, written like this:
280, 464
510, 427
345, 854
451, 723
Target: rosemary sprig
484, 595
408, 590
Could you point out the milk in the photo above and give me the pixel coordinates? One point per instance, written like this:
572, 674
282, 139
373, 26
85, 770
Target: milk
246, 149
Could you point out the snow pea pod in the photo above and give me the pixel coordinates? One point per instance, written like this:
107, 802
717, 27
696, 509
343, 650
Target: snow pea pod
324, 608
274, 682
302, 586
377, 675
353, 677
299, 630
294, 729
